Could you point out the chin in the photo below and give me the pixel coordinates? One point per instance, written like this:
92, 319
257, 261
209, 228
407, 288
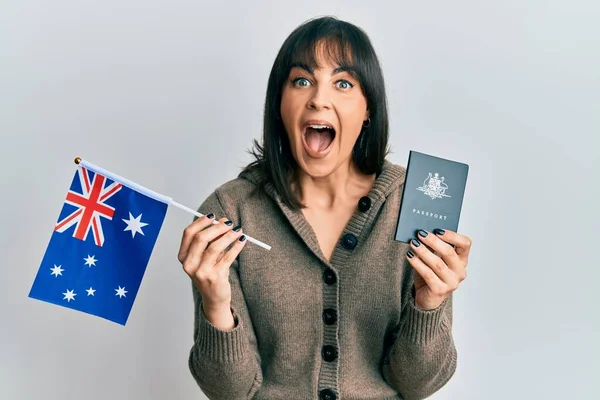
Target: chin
319, 167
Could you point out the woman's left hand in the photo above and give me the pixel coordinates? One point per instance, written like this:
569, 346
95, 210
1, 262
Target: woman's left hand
438, 274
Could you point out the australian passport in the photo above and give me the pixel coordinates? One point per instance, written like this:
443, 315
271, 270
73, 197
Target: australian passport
432, 196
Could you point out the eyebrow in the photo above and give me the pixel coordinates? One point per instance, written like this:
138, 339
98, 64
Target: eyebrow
310, 69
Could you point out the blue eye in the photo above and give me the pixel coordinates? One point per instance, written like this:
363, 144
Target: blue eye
344, 84
300, 82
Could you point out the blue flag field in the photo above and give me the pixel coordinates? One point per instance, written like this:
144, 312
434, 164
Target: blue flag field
100, 246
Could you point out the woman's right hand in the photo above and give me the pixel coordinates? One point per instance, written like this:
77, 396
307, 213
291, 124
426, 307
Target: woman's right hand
203, 257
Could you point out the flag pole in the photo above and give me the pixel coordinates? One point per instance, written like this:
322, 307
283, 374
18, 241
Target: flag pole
158, 196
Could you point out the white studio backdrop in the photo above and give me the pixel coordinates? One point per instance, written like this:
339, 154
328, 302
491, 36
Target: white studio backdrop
170, 94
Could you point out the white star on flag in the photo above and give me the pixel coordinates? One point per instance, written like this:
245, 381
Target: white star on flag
120, 292
90, 260
134, 225
90, 291
56, 270
69, 295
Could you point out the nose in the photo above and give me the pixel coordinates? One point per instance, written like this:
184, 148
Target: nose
319, 99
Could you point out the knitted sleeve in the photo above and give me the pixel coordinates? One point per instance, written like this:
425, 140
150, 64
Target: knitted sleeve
225, 364
423, 357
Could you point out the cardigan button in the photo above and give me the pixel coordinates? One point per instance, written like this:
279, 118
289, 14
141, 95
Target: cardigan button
329, 276
327, 394
329, 316
329, 353
349, 241
364, 204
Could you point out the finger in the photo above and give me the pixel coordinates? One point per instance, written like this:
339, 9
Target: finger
431, 279
461, 242
444, 250
230, 255
190, 231
217, 248
201, 241
435, 263
222, 253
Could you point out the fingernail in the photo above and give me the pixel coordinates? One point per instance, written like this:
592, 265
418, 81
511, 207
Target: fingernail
415, 242
242, 238
237, 228
422, 233
228, 223
439, 231
211, 215
410, 254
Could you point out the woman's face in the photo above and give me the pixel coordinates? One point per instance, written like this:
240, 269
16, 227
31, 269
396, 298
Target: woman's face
322, 111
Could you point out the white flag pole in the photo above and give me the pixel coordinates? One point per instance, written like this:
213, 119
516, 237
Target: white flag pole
154, 195
196, 213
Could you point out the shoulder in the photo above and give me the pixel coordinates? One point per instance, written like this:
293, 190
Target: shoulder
390, 178
227, 197
393, 169
235, 190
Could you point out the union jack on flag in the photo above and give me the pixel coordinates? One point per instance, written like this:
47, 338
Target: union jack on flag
100, 245
91, 206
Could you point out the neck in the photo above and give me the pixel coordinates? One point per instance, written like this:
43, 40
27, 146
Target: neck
344, 185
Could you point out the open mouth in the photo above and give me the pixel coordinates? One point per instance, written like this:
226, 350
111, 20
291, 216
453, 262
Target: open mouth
319, 137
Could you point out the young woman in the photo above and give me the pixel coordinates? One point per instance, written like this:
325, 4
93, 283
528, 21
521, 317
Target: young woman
336, 309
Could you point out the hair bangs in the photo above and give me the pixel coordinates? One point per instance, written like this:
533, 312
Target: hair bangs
313, 50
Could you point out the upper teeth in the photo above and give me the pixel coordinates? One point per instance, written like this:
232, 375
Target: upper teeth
320, 126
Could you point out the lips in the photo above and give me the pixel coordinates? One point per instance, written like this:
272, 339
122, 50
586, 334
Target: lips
317, 137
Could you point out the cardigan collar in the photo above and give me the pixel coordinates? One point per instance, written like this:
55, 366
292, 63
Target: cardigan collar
390, 178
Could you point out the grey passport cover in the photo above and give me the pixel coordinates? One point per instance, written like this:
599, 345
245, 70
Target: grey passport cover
432, 196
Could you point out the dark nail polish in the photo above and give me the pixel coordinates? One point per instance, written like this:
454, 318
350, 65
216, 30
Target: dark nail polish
439, 231
410, 254
423, 233
242, 238
415, 242
211, 215
228, 223
237, 228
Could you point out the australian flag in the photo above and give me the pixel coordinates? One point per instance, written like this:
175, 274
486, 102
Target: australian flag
100, 247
